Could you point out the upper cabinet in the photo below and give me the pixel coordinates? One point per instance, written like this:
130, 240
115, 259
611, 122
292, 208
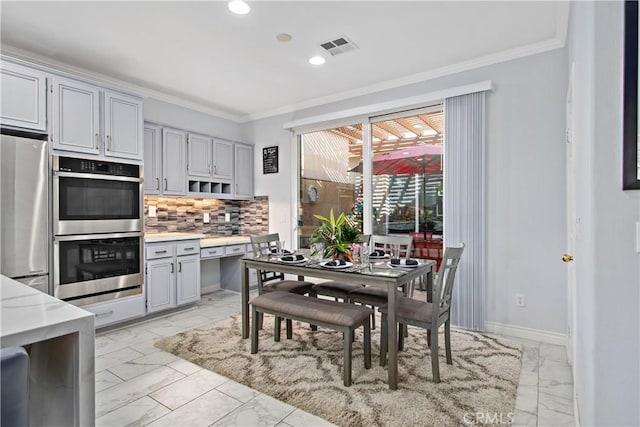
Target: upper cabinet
199, 156
178, 163
23, 97
123, 126
223, 159
89, 120
173, 162
152, 159
243, 171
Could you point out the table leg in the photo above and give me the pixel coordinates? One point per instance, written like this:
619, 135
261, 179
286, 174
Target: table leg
392, 337
429, 297
244, 301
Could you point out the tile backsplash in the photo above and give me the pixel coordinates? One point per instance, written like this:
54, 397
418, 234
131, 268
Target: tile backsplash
186, 215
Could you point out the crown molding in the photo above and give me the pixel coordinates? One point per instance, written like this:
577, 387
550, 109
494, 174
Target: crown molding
54, 66
483, 61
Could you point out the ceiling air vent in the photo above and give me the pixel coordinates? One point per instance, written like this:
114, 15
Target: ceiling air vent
339, 45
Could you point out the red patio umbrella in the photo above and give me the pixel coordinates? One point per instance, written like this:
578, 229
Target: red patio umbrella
419, 159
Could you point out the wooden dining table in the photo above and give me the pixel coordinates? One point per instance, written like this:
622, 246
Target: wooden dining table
377, 273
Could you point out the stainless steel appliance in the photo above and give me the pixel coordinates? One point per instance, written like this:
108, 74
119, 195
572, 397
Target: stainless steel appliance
97, 267
94, 196
98, 230
24, 210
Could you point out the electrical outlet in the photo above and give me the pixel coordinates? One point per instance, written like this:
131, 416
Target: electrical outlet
153, 211
227, 217
206, 218
520, 300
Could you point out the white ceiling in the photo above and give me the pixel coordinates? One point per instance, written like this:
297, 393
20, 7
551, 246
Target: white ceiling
200, 55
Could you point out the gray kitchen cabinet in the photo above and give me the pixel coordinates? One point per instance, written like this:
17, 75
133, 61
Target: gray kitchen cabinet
222, 159
123, 126
160, 284
172, 274
188, 279
199, 156
174, 162
23, 100
75, 116
152, 159
85, 122
243, 171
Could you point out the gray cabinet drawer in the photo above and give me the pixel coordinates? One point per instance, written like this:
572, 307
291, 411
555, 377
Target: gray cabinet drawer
160, 251
212, 252
187, 248
235, 250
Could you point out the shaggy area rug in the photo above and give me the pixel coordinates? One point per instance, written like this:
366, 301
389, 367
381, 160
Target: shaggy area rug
306, 372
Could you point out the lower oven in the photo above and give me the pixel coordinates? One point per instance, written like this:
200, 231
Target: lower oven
97, 267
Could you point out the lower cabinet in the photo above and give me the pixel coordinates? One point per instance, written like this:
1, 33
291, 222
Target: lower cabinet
172, 274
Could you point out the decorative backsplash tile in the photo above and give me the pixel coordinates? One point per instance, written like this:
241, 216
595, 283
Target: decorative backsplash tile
186, 215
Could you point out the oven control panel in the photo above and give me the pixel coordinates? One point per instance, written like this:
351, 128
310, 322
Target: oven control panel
71, 164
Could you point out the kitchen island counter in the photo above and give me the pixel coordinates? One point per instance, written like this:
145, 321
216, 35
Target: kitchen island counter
61, 341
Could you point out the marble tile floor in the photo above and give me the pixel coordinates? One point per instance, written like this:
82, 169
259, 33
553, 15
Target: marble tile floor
137, 384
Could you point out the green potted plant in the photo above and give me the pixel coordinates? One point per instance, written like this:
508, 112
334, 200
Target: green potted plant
336, 234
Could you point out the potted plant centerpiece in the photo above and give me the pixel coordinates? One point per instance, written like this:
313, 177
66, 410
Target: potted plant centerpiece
336, 234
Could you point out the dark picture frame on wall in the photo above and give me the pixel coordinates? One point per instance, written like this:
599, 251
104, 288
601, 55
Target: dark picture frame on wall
270, 160
630, 158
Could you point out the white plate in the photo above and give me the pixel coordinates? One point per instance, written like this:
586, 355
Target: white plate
298, 261
385, 256
402, 265
337, 267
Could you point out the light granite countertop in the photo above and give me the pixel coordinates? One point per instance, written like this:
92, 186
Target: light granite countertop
29, 315
224, 241
167, 237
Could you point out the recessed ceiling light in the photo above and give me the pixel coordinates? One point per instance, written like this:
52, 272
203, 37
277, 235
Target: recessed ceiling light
239, 7
284, 37
317, 60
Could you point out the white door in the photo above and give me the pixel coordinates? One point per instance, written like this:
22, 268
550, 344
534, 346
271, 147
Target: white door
571, 224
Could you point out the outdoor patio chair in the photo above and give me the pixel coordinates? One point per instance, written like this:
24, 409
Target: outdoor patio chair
427, 315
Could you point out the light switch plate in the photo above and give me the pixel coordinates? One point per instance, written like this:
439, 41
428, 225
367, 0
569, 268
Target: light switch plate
227, 217
152, 212
206, 218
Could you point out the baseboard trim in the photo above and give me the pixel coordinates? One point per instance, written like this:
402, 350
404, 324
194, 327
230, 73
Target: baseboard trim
526, 333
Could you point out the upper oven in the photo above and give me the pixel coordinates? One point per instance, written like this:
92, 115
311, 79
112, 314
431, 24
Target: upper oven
95, 196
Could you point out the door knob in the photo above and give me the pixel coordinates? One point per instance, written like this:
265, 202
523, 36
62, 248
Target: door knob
567, 258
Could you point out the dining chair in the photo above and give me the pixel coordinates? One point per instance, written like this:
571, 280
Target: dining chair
373, 296
339, 289
428, 315
269, 281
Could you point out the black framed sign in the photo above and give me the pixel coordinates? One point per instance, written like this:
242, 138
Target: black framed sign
631, 148
270, 160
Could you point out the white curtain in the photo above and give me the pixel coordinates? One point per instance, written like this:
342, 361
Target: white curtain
464, 210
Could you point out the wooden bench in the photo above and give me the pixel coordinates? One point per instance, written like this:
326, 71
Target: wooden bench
330, 314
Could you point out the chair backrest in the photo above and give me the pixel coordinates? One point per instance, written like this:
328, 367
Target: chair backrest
443, 288
264, 245
385, 242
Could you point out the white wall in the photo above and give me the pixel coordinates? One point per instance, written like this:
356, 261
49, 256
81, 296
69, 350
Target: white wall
183, 118
526, 181
607, 357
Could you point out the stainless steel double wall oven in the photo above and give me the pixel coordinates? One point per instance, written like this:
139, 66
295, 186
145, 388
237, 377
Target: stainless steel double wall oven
98, 230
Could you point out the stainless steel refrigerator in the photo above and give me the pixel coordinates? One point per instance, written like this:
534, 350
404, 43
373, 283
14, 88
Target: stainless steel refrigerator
24, 210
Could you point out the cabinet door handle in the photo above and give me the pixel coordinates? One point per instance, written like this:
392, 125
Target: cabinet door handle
161, 252
157, 183
165, 184
108, 143
97, 136
179, 267
172, 267
106, 313
236, 249
215, 169
188, 249
209, 168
